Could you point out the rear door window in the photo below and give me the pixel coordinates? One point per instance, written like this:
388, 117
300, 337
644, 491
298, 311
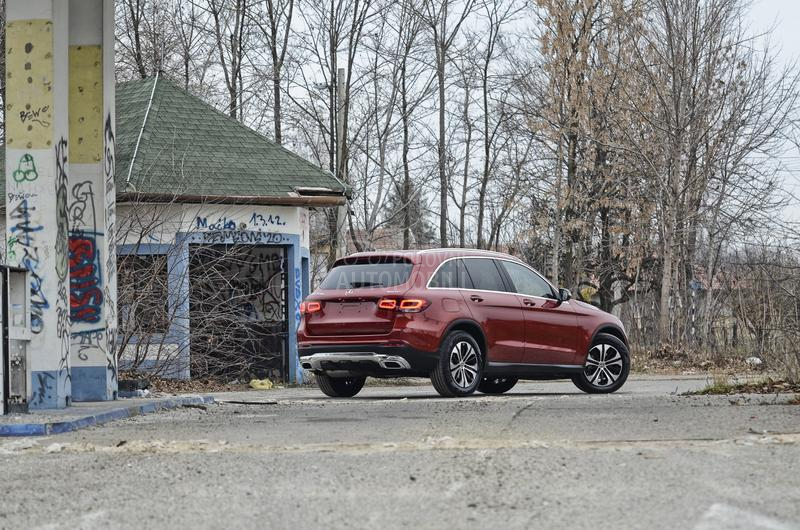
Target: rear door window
367, 275
451, 275
526, 281
484, 274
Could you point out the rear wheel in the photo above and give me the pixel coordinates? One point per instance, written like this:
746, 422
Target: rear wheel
460, 366
606, 368
340, 386
497, 385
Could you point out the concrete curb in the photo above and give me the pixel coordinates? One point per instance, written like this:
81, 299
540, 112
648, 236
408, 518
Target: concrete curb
58, 427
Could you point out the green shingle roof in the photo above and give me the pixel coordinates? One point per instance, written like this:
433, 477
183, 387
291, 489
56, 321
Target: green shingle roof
189, 148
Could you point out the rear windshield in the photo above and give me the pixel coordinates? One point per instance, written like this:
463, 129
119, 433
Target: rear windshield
365, 275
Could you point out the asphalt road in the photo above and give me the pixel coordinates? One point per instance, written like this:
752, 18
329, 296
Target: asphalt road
544, 456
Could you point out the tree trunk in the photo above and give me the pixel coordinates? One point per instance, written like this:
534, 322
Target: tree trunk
556, 253
406, 194
276, 94
440, 64
666, 284
462, 219
487, 141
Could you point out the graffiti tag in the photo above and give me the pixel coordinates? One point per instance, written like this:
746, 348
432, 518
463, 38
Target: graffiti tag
85, 296
243, 236
26, 170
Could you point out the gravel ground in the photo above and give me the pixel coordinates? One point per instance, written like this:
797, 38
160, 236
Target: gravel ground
544, 456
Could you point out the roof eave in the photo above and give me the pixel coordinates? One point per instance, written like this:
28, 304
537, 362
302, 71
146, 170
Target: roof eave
260, 200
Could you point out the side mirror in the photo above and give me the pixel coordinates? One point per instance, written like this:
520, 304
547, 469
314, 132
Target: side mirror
564, 295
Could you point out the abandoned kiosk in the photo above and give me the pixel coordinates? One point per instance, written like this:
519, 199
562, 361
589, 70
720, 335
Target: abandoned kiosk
212, 240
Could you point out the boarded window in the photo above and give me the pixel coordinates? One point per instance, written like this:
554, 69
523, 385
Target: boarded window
143, 306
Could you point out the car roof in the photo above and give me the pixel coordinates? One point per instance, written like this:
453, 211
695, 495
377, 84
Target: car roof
416, 256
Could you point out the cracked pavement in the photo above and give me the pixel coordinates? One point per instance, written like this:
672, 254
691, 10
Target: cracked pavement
543, 456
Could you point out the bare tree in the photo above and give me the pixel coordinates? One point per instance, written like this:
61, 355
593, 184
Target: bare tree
497, 15
443, 20
331, 28
274, 19
230, 28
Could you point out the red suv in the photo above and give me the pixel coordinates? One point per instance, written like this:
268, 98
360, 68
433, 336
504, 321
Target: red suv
468, 319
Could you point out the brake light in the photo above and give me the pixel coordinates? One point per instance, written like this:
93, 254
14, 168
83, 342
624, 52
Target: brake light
405, 305
310, 307
413, 305
387, 303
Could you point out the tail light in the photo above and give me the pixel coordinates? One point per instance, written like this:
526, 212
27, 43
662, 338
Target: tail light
310, 307
404, 305
413, 305
387, 303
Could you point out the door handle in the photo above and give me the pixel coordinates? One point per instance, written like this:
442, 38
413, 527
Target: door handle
528, 302
476, 298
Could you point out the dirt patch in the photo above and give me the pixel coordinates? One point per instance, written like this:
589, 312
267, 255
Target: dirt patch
765, 386
670, 360
191, 386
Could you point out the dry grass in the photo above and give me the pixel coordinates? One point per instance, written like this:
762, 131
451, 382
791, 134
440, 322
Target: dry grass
722, 385
668, 359
181, 386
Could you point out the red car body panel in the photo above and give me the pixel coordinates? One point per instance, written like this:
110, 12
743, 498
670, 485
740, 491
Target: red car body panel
550, 332
515, 330
499, 316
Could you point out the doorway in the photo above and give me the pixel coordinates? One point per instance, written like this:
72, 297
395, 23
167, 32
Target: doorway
238, 311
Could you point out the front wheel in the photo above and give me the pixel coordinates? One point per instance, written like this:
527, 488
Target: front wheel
460, 366
606, 368
497, 385
340, 386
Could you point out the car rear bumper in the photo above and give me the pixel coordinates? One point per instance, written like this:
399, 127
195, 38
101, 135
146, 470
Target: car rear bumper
367, 359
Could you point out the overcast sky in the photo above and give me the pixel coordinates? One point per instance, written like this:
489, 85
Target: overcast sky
784, 15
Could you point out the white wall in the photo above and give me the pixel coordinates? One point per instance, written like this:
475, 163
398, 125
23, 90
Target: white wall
160, 222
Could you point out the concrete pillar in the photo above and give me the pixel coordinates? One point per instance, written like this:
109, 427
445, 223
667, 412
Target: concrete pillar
92, 256
37, 184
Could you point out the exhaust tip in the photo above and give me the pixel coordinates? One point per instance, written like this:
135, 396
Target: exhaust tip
391, 364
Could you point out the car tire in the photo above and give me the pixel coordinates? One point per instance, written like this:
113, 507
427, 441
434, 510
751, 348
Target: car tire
607, 366
497, 385
459, 370
340, 386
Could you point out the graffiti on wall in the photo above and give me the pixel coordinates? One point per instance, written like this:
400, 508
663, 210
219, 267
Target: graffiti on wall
62, 264
256, 279
43, 388
225, 223
85, 296
222, 223
26, 170
298, 296
85, 343
24, 232
262, 221
11, 249
243, 236
245, 283
110, 289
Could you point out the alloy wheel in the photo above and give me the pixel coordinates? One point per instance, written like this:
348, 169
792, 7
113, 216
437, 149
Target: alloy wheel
603, 365
464, 364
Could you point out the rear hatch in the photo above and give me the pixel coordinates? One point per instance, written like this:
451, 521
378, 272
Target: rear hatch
350, 294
